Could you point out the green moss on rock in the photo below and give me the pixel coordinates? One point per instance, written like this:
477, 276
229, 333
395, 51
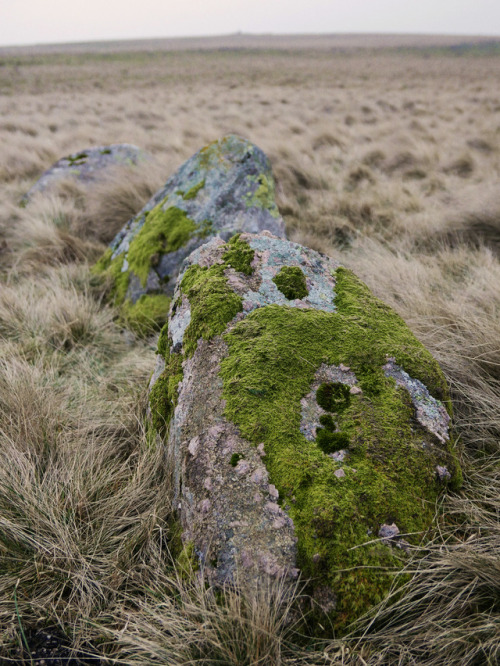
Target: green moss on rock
162, 347
78, 159
389, 477
182, 553
212, 301
239, 255
291, 281
190, 194
164, 393
111, 269
330, 441
377, 320
235, 458
147, 315
213, 304
265, 194
333, 396
163, 231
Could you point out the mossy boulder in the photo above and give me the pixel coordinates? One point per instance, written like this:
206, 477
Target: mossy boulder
309, 430
225, 188
87, 166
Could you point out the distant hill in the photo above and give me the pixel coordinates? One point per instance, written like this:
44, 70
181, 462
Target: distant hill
237, 41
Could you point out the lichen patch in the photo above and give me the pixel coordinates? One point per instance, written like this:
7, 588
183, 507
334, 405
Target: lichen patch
429, 412
178, 323
272, 255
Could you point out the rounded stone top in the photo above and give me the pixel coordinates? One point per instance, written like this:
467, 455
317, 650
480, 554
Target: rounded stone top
226, 188
87, 165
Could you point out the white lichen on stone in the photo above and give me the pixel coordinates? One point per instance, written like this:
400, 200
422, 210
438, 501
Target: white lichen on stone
429, 412
274, 253
178, 322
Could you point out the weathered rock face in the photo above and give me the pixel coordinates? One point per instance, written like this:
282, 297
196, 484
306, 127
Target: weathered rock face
308, 428
225, 188
87, 165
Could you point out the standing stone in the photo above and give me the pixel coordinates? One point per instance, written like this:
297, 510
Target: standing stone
87, 166
225, 188
308, 429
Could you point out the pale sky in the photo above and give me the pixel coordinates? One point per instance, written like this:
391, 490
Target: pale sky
47, 21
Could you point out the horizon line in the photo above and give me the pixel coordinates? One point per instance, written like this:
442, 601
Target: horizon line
241, 34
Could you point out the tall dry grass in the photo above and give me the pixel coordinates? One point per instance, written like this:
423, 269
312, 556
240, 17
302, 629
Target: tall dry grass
388, 161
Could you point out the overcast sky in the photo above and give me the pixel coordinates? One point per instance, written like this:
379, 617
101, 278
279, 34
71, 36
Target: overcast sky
46, 21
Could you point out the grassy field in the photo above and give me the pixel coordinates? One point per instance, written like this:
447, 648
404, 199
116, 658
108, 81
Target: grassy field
386, 154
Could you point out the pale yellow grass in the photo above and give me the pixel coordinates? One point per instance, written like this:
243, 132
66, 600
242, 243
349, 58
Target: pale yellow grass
388, 161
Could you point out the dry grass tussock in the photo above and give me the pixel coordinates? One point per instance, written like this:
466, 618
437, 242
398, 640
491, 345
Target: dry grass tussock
389, 162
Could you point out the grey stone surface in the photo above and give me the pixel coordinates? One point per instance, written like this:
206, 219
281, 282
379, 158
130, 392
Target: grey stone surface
229, 512
87, 166
235, 518
225, 188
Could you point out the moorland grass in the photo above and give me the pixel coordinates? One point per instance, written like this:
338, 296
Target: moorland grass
390, 162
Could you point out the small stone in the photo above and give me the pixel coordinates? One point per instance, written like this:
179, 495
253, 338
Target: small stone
443, 473
387, 532
316, 558
207, 483
404, 545
260, 450
355, 390
339, 473
344, 368
339, 456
